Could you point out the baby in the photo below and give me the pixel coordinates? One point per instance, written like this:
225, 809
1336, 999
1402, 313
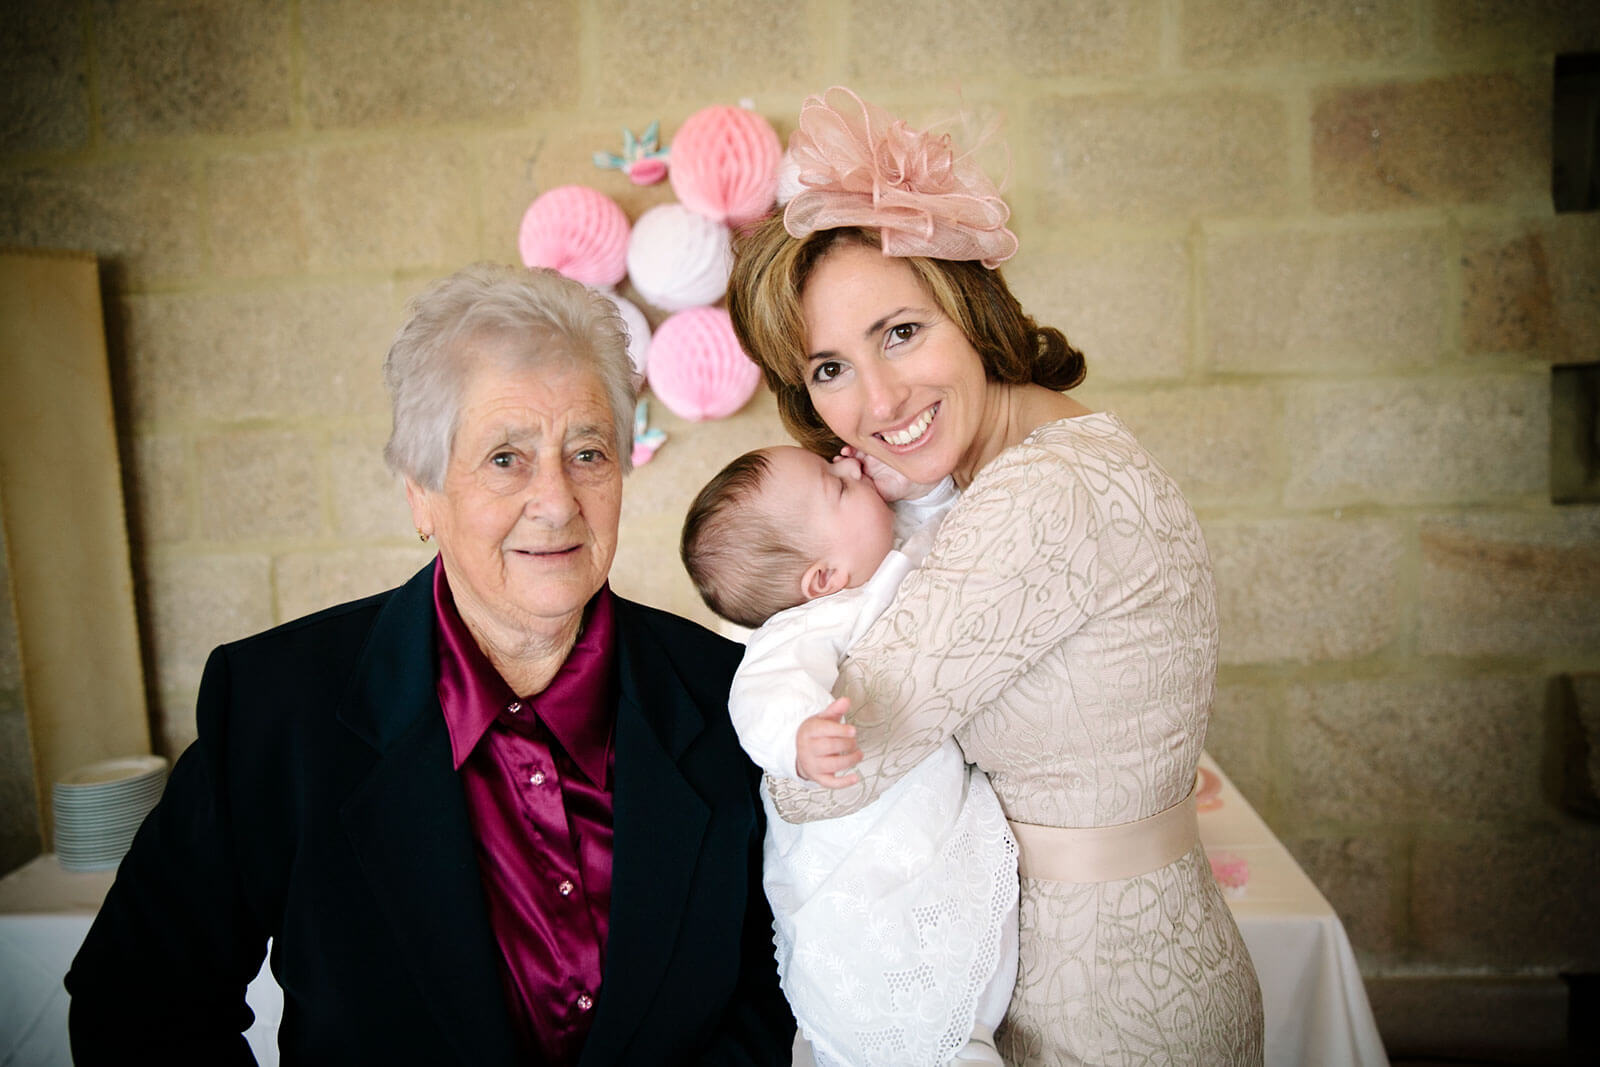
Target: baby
896, 926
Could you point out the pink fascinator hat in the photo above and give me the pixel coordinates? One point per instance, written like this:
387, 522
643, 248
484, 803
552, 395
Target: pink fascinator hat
579, 231
858, 165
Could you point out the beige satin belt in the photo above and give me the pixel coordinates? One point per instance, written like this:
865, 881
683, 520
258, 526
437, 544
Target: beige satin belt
1106, 853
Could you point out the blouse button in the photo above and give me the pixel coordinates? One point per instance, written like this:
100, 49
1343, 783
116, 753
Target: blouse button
585, 1002
537, 778
514, 707
565, 888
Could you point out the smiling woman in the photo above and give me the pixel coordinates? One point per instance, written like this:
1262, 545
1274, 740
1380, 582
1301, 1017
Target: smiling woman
907, 384
775, 303
1062, 628
496, 815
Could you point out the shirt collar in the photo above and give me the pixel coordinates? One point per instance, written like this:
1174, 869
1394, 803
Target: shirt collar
577, 707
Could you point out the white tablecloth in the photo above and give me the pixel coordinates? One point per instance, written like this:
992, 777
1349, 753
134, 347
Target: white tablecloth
44, 914
1316, 1008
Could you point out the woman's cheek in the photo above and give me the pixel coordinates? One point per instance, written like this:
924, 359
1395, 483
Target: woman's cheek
834, 408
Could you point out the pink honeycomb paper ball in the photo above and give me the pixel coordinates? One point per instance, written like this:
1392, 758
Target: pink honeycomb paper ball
725, 164
696, 367
578, 231
678, 258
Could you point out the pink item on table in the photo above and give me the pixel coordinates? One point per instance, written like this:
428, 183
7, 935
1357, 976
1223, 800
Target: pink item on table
725, 164
678, 258
696, 367
1231, 872
578, 231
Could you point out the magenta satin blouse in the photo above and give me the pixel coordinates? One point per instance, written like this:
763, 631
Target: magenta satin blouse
537, 775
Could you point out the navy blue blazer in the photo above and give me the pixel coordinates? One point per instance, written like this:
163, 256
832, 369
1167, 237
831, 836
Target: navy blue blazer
319, 808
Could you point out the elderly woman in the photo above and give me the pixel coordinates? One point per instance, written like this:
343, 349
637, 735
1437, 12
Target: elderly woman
496, 815
1063, 626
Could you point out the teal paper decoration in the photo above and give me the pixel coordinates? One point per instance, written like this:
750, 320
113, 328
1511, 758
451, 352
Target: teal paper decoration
643, 159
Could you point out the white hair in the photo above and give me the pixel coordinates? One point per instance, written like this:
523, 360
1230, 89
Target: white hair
531, 316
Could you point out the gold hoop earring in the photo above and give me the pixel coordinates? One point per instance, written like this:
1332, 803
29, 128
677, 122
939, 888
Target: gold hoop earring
422, 536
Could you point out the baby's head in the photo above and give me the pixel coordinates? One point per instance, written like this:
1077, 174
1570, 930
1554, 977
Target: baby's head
780, 526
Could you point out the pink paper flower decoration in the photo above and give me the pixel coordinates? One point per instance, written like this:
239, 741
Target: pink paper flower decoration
647, 171
643, 159
725, 164
678, 258
696, 367
578, 231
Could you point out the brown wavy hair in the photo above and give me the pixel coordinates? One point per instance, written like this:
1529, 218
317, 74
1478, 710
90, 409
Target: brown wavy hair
742, 555
770, 272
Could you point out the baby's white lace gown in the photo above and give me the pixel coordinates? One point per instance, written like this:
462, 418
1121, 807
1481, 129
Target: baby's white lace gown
1063, 630
888, 921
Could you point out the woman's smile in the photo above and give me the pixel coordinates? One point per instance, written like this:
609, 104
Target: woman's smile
889, 373
913, 431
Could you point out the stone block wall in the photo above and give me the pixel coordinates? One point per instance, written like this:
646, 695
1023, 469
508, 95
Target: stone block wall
20, 837
1308, 246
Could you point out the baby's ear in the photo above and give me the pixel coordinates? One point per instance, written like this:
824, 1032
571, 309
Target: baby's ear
820, 580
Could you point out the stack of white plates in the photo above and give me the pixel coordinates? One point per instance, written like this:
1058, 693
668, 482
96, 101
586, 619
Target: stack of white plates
98, 809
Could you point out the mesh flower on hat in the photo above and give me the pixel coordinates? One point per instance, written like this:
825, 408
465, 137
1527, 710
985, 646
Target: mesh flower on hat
860, 166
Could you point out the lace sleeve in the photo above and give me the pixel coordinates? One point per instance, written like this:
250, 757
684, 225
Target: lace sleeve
1010, 575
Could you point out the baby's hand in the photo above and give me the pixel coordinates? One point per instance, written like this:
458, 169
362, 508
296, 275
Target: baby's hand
890, 483
825, 747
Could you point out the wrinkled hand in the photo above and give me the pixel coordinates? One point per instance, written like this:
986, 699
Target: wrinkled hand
890, 483
825, 747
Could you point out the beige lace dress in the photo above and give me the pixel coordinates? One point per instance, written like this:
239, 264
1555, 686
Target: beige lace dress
1063, 629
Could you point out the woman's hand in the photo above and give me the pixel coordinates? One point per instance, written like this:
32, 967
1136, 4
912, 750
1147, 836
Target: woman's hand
825, 747
890, 483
